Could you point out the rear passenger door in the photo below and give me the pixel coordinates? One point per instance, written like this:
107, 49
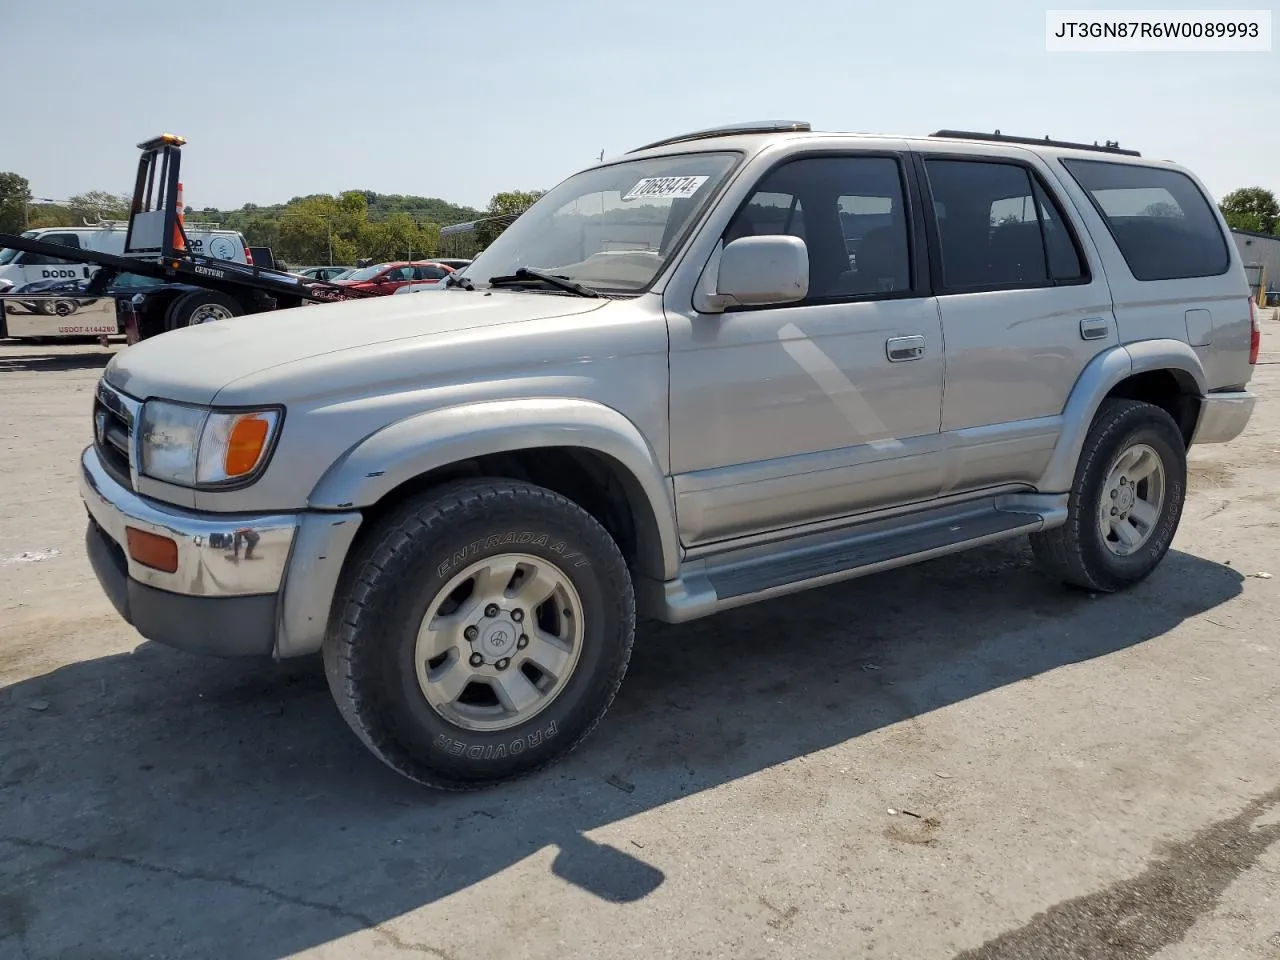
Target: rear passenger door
1024, 305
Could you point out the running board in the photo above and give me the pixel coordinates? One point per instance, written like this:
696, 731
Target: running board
749, 574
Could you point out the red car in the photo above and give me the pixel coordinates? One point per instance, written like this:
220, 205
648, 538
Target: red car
384, 278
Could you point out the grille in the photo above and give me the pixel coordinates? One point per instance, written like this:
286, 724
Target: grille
113, 421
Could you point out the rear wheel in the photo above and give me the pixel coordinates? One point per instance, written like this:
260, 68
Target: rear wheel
1125, 503
480, 633
201, 306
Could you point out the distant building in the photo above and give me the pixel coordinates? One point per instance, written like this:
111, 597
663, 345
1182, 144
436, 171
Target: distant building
1261, 255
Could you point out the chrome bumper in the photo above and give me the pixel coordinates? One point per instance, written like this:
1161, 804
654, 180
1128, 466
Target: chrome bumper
219, 555
1223, 416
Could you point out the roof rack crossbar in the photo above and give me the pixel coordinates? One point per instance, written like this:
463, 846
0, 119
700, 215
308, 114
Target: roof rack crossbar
1110, 146
753, 126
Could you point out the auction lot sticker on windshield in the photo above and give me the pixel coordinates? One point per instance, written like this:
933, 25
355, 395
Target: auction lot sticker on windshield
665, 188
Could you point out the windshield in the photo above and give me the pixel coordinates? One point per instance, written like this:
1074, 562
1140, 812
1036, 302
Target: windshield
368, 273
612, 228
7, 254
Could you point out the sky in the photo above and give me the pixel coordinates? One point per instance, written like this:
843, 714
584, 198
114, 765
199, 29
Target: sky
281, 98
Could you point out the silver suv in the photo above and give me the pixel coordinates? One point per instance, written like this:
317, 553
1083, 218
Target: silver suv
724, 367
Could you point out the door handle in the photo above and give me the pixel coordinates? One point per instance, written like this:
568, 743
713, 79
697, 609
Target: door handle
1094, 328
899, 349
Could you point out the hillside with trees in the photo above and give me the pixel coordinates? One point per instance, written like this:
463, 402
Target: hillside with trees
316, 229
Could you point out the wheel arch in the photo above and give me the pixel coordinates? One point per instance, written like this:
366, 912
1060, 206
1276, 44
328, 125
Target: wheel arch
584, 450
1167, 373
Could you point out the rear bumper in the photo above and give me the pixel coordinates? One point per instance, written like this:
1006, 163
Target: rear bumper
1223, 416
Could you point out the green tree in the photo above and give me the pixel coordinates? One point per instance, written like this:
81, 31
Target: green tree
15, 194
1251, 208
315, 229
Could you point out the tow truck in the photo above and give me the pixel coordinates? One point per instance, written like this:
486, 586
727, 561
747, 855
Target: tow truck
156, 246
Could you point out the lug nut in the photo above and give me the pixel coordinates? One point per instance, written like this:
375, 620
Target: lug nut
1114, 511
1114, 494
522, 642
491, 610
476, 660
471, 633
503, 663
517, 615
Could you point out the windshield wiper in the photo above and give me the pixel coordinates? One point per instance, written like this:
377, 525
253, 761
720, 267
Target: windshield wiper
525, 274
454, 280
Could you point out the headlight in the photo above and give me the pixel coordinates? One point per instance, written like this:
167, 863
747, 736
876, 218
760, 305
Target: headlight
197, 447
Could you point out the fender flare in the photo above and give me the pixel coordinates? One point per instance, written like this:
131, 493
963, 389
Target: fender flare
1102, 374
408, 448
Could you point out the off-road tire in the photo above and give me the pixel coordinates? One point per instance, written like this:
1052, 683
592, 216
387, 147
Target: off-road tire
399, 567
183, 309
1075, 552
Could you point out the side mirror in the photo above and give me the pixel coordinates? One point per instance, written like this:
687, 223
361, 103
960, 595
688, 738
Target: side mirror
756, 271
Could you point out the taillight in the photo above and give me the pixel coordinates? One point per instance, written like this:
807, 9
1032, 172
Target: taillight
248, 255
1255, 333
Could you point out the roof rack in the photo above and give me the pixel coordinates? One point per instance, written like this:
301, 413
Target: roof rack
1111, 146
753, 126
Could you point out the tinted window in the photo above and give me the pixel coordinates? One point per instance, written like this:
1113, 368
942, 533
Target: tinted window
1065, 262
1162, 223
850, 213
998, 227
428, 272
40, 260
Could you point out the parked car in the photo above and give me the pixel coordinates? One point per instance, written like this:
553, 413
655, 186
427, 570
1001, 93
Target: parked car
465, 505
388, 277
323, 273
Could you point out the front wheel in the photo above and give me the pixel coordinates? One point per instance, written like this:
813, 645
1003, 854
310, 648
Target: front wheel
1125, 503
481, 632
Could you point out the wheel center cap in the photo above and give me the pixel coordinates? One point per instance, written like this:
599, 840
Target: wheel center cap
497, 639
1125, 499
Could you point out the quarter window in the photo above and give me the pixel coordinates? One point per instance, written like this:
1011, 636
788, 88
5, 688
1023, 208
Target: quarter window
1160, 219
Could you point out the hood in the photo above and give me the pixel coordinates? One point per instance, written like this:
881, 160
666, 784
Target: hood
193, 364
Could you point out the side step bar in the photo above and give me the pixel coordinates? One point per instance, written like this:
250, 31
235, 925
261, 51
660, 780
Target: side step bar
760, 572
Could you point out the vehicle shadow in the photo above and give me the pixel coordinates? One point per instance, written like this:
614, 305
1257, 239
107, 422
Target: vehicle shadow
56, 361
162, 803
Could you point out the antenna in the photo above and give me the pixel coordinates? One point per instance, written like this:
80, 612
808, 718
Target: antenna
600, 159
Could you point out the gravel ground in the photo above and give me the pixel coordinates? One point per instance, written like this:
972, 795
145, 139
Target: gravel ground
959, 760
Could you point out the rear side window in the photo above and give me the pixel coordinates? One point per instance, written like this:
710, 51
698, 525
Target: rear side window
1161, 221
998, 228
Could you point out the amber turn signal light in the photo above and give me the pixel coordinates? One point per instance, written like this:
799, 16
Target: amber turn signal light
244, 445
152, 550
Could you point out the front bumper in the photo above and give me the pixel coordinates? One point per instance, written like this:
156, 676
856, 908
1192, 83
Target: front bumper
225, 594
1223, 416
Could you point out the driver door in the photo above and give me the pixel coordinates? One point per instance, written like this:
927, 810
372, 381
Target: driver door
825, 408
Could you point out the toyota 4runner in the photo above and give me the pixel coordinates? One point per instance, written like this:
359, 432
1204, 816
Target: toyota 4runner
724, 367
